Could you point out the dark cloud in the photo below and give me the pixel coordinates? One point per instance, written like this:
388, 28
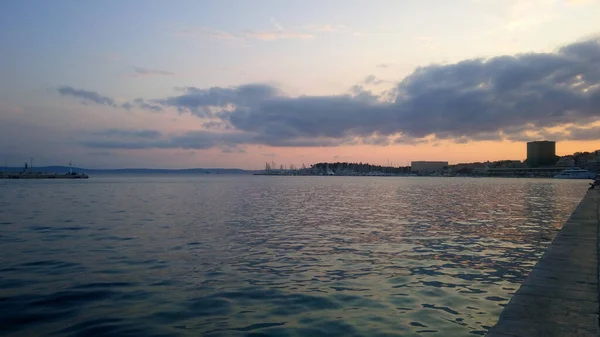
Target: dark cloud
149, 139
200, 139
127, 106
94, 97
147, 105
470, 100
404, 140
334, 117
376, 140
217, 125
86, 96
200, 101
142, 104
578, 133
120, 144
140, 72
152, 134
207, 139
506, 97
521, 137
573, 133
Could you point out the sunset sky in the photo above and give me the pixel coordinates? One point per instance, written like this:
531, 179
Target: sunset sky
181, 84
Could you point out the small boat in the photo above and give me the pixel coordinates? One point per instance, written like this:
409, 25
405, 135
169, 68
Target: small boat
575, 173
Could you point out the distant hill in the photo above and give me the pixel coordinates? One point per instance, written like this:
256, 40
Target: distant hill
65, 169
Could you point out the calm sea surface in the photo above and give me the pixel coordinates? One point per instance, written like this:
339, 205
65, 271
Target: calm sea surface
270, 256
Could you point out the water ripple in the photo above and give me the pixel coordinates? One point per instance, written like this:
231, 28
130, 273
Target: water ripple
279, 256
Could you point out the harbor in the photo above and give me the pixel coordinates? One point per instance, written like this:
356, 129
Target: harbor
28, 173
40, 175
560, 295
541, 162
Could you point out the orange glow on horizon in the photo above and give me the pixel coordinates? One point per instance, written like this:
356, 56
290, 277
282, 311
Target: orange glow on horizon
255, 157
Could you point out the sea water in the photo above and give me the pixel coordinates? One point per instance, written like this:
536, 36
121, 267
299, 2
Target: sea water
215, 255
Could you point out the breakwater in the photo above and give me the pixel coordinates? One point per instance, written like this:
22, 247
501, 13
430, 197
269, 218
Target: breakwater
560, 295
42, 176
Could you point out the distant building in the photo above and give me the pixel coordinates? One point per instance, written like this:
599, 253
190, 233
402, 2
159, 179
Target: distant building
568, 161
428, 166
594, 164
541, 153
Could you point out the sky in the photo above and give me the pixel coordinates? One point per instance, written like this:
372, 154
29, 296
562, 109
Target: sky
182, 84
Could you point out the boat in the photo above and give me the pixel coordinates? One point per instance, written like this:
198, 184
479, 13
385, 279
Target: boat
575, 173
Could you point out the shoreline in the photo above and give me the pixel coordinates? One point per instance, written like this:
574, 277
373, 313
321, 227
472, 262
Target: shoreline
415, 176
43, 176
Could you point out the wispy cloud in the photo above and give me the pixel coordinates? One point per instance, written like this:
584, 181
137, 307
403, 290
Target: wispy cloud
279, 33
147, 105
147, 72
327, 28
383, 65
374, 80
87, 96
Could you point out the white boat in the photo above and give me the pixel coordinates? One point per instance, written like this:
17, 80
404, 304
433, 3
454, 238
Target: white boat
575, 173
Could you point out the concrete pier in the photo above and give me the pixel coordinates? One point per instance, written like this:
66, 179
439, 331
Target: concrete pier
560, 296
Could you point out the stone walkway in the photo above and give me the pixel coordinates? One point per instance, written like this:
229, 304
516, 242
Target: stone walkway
560, 296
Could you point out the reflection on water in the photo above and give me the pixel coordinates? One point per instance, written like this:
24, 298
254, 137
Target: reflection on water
279, 256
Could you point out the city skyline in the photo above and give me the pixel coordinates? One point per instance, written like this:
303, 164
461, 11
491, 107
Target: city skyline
234, 84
